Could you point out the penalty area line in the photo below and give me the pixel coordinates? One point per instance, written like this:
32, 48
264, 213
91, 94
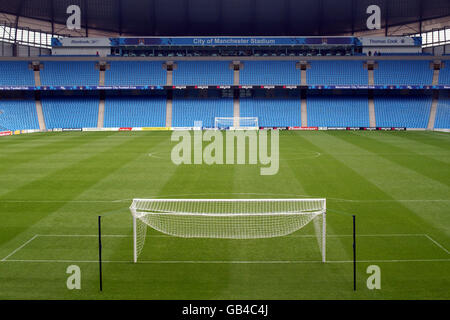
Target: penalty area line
17, 249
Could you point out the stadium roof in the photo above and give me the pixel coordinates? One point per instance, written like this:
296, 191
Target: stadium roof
228, 17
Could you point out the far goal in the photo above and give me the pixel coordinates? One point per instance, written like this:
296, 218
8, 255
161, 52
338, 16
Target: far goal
234, 123
227, 219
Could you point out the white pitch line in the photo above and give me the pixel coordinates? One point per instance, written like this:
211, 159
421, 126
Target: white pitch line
17, 249
230, 262
437, 243
288, 236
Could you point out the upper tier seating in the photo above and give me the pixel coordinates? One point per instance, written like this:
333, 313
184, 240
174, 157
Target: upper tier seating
16, 73
18, 115
135, 111
411, 111
187, 110
70, 112
444, 74
443, 112
337, 111
269, 73
273, 112
403, 73
336, 73
203, 73
69, 73
135, 73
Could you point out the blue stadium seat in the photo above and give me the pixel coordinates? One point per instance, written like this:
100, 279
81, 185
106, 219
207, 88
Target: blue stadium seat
338, 111
336, 73
272, 112
187, 110
403, 73
135, 111
443, 112
18, 115
444, 74
16, 73
411, 111
135, 73
69, 73
269, 73
70, 112
203, 73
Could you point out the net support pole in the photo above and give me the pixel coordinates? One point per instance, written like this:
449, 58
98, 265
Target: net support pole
134, 239
324, 236
354, 253
100, 252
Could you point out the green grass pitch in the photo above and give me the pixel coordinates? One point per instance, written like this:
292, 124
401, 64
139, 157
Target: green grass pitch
54, 185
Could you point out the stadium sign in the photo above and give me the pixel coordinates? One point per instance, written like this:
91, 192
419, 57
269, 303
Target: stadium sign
391, 41
231, 41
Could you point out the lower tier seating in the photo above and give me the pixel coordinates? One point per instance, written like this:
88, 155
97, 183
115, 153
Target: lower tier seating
70, 112
273, 112
411, 111
187, 110
18, 115
443, 112
135, 111
337, 111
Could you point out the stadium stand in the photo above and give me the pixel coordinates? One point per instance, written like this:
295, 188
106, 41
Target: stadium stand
443, 112
135, 111
18, 115
336, 73
269, 73
69, 73
16, 73
272, 112
186, 110
203, 73
337, 111
411, 111
444, 75
70, 112
135, 73
403, 73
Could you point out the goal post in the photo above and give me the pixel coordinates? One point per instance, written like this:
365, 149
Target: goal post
244, 123
227, 219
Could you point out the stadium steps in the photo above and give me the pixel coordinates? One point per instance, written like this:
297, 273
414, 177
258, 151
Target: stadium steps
434, 102
101, 81
236, 101
372, 119
169, 77
236, 110
435, 74
303, 77
37, 78
169, 104
304, 113
371, 77
101, 114
236, 75
40, 115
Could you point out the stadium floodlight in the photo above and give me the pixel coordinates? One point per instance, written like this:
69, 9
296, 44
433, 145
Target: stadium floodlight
233, 123
227, 219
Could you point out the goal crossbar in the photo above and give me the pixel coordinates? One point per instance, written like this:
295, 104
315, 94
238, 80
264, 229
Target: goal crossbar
236, 122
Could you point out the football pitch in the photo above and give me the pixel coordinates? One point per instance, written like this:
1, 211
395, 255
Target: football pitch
53, 186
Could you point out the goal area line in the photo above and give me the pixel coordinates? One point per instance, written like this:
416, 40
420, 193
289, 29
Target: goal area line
7, 258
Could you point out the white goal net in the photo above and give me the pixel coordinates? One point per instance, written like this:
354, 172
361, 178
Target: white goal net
236, 123
227, 218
